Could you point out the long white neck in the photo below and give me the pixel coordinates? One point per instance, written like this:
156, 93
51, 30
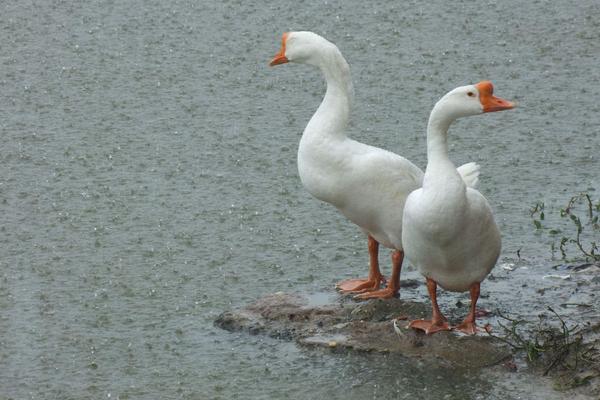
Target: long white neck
331, 118
439, 165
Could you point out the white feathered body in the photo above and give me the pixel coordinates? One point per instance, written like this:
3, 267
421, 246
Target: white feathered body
367, 184
449, 231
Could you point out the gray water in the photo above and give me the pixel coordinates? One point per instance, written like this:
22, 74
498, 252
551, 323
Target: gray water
149, 180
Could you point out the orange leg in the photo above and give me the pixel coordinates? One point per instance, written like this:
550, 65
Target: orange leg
375, 278
438, 322
468, 325
393, 285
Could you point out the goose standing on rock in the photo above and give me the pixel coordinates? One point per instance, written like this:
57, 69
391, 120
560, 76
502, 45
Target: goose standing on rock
367, 184
448, 229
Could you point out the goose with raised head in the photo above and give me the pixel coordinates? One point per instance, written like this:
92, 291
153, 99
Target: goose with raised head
448, 229
367, 184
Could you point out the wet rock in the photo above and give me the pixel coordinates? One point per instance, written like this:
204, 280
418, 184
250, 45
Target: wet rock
412, 283
367, 326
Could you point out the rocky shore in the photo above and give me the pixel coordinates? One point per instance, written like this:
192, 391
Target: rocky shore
562, 344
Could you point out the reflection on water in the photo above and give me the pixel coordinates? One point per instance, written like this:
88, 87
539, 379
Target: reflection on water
149, 179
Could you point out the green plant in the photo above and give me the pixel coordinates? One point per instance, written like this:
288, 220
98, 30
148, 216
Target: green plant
551, 346
537, 214
587, 228
592, 210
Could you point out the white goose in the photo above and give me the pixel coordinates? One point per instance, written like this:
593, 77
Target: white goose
367, 184
448, 230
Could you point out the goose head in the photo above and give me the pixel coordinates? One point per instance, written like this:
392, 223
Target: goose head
472, 100
303, 47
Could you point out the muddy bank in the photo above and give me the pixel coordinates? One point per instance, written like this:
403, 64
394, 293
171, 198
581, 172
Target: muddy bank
367, 326
553, 328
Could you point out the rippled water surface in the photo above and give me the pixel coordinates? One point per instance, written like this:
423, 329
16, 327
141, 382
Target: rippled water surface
148, 179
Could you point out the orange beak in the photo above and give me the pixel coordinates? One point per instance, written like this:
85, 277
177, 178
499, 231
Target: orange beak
490, 102
280, 57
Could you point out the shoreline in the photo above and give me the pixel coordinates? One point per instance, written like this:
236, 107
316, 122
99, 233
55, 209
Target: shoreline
566, 353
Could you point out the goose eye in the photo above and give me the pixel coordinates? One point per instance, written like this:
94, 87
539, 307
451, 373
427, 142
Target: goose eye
470, 94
